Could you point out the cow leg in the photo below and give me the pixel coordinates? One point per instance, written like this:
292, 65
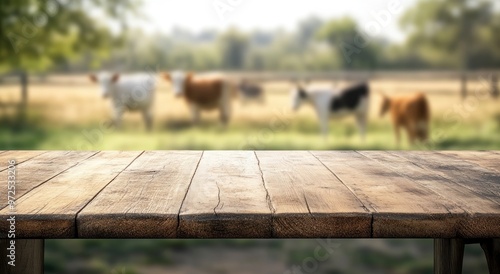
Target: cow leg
118, 114
225, 113
323, 117
224, 117
397, 133
361, 121
195, 113
324, 126
225, 105
423, 130
412, 132
148, 119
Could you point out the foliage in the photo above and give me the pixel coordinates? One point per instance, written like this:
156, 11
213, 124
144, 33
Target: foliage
454, 33
249, 256
37, 35
233, 46
443, 34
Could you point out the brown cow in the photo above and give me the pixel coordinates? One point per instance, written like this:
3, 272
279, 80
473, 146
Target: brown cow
203, 92
410, 112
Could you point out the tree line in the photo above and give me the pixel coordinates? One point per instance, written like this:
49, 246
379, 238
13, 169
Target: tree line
56, 35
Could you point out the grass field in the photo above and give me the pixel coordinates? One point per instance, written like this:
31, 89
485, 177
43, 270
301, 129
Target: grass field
68, 113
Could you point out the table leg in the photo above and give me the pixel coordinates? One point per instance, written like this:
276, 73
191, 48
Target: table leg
491, 249
448, 256
26, 256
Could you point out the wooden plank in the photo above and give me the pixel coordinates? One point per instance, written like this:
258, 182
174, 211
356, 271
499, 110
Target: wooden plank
478, 179
40, 169
144, 200
28, 256
483, 215
448, 256
308, 200
400, 207
226, 199
49, 211
486, 159
19, 156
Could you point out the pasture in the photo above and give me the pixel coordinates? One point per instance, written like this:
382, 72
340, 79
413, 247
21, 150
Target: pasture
67, 112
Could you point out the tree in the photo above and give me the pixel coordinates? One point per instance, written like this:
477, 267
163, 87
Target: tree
234, 46
456, 32
359, 51
307, 29
38, 34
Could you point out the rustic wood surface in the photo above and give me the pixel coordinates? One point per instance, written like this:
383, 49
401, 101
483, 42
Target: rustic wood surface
49, 210
247, 194
43, 168
20, 157
310, 201
144, 199
226, 198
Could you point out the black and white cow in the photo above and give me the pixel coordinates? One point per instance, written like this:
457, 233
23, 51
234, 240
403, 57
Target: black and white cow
332, 103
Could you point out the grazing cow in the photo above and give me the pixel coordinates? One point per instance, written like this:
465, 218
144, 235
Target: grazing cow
333, 103
250, 92
203, 92
410, 112
133, 93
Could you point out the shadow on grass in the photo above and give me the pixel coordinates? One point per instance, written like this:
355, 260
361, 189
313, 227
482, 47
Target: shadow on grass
177, 125
185, 125
497, 119
21, 132
468, 144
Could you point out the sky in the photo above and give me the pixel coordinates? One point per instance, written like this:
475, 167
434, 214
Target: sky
198, 15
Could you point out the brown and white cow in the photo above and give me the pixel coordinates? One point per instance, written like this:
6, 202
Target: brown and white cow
203, 92
410, 112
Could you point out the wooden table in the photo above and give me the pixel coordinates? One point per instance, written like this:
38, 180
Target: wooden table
453, 197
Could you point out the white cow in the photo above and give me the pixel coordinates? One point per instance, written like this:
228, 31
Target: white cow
131, 92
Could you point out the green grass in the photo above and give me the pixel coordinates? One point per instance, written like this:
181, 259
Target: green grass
300, 134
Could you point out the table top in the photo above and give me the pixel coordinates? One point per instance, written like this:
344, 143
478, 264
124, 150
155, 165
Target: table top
251, 194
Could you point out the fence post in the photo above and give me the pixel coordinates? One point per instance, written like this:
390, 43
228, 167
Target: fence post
24, 88
463, 79
494, 86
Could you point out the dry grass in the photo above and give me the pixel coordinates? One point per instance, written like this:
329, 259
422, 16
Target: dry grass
68, 106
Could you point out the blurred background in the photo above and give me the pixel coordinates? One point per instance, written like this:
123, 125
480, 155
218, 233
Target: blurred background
447, 49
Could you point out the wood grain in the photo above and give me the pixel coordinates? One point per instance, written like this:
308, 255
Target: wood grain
38, 170
481, 217
246, 194
146, 198
19, 155
28, 257
49, 211
400, 207
448, 256
226, 199
480, 180
486, 159
308, 201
